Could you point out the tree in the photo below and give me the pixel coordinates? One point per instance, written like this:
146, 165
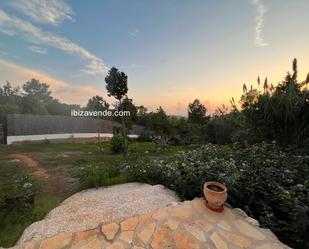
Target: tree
97, 103
197, 112
280, 113
116, 83
8, 90
31, 105
127, 105
35, 89
222, 110
55, 107
117, 86
180, 130
223, 127
142, 110
36, 98
159, 122
142, 115
10, 99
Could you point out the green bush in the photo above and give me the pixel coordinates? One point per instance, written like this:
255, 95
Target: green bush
20, 205
14, 221
279, 113
19, 195
269, 184
116, 144
91, 175
96, 173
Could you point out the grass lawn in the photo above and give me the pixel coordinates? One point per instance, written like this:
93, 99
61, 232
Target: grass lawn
68, 166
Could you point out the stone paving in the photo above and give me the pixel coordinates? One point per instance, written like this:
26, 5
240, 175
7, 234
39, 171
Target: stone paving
188, 225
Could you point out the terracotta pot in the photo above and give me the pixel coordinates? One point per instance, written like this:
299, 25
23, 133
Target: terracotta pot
215, 194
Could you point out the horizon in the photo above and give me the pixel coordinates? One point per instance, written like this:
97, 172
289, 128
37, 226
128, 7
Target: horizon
173, 52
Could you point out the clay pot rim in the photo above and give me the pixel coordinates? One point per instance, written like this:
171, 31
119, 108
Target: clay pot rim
216, 184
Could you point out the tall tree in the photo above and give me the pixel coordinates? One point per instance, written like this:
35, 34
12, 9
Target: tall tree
128, 105
97, 103
10, 99
117, 86
8, 90
159, 122
197, 112
35, 89
280, 113
36, 97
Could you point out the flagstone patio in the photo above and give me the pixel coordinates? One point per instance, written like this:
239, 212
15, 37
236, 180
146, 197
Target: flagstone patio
185, 226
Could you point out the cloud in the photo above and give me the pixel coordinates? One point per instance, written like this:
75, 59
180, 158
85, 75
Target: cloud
64, 91
44, 11
133, 32
259, 23
38, 50
36, 35
8, 32
8, 55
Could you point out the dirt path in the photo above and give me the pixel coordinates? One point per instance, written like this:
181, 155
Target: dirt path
58, 180
33, 165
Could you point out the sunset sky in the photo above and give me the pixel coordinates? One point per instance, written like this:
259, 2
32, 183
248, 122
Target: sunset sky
173, 51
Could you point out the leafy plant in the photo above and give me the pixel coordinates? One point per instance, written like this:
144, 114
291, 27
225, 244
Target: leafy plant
116, 144
19, 195
279, 113
268, 183
91, 175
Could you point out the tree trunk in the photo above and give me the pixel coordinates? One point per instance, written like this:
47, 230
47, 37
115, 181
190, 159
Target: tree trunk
123, 131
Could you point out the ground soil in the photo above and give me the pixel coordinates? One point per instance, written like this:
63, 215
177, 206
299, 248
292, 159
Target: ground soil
30, 163
58, 180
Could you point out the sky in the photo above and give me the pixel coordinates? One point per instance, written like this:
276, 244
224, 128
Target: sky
173, 51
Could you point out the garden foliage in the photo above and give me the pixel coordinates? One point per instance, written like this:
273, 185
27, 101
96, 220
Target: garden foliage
270, 184
117, 144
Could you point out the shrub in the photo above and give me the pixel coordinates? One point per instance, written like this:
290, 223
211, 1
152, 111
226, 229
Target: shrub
279, 113
91, 175
116, 143
20, 195
100, 173
269, 184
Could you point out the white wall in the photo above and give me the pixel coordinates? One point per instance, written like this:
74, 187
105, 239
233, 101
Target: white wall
12, 139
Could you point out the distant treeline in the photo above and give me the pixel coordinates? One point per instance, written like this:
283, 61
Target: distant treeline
266, 113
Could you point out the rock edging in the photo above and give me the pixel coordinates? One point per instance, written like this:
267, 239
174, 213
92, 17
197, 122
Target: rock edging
187, 225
